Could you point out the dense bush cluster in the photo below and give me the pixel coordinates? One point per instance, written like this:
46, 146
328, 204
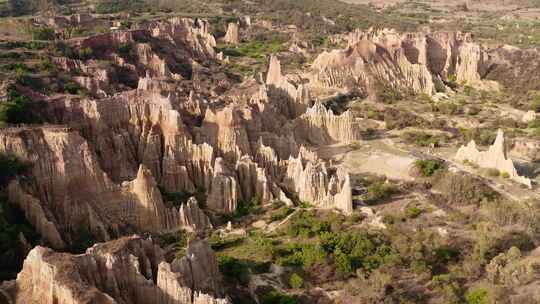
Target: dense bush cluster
428, 166
459, 188
17, 109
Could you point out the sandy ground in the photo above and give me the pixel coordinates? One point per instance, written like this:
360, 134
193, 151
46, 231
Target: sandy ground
379, 157
380, 163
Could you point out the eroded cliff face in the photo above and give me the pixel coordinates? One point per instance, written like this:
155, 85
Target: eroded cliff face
127, 270
292, 100
160, 128
316, 184
68, 191
417, 62
321, 126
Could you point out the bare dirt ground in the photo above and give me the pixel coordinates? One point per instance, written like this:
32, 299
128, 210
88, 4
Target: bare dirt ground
380, 162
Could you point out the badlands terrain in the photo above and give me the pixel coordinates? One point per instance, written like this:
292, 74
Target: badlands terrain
269, 151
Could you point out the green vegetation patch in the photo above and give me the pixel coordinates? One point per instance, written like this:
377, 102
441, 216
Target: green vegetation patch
17, 109
428, 167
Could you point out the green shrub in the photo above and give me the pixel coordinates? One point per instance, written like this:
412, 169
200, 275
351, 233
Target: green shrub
462, 188
117, 6
305, 255
85, 53
477, 296
17, 109
413, 212
296, 281
452, 81
400, 119
125, 49
421, 139
534, 124
72, 87
281, 214
492, 172
482, 136
343, 262
535, 105
447, 108
43, 33
429, 167
245, 208
233, 268
387, 94
274, 297
306, 224
259, 48
379, 191
357, 250
505, 174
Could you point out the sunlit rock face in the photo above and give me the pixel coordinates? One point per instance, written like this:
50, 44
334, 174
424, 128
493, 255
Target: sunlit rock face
416, 62
232, 36
69, 192
127, 270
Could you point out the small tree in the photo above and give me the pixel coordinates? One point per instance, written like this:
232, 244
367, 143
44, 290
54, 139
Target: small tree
17, 109
296, 281
343, 262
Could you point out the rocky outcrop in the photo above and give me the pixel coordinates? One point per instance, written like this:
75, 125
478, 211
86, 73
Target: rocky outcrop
184, 31
291, 100
495, 157
315, 184
98, 81
417, 62
226, 129
68, 191
320, 126
199, 269
224, 192
139, 127
127, 270
232, 36
529, 116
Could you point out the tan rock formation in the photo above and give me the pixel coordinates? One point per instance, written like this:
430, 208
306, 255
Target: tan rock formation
224, 192
245, 21
418, 62
226, 129
314, 184
495, 158
140, 127
127, 270
232, 36
194, 33
99, 84
529, 116
293, 101
69, 191
320, 126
